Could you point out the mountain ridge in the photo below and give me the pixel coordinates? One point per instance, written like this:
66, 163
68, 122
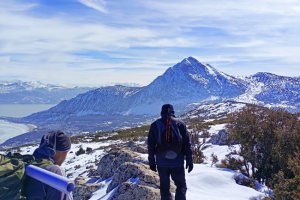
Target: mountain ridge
190, 86
187, 82
35, 92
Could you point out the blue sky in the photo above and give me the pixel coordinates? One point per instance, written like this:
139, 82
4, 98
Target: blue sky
94, 42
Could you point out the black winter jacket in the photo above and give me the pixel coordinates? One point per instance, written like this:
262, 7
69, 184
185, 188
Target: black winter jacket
164, 162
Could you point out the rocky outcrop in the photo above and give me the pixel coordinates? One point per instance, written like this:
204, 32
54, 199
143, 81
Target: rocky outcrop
129, 170
246, 181
220, 138
109, 163
82, 189
136, 147
130, 177
130, 191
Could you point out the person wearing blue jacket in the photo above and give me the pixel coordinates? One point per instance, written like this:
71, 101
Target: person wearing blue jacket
166, 164
54, 146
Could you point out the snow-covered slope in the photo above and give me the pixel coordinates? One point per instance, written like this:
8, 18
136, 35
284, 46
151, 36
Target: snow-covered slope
187, 82
112, 100
216, 110
12, 92
271, 90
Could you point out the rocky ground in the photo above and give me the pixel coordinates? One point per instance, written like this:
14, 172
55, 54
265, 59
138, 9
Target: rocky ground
118, 169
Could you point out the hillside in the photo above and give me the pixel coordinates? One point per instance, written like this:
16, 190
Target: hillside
205, 181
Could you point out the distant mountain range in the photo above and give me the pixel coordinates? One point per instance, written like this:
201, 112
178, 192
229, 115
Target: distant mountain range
187, 82
186, 85
20, 92
189, 85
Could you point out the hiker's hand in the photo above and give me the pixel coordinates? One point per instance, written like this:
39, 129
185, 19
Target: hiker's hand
190, 166
153, 168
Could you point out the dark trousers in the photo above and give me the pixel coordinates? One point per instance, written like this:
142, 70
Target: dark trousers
178, 176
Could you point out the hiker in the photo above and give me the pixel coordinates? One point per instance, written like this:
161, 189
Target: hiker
169, 141
54, 146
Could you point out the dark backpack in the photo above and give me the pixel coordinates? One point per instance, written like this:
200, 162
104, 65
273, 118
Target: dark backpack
12, 174
169, 143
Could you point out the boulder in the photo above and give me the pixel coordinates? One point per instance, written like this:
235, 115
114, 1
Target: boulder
92, 172
246, 181
122, 165
130, 191
80, 180
130, 170
131, 145
220, 138
113, 160
82, 190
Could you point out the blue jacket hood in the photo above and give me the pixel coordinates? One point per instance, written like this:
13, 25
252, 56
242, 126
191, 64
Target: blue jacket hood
47, 147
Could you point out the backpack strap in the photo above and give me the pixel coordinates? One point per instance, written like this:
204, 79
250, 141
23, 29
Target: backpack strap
27, 159
176, 130
168, 129
42, 163
162, 127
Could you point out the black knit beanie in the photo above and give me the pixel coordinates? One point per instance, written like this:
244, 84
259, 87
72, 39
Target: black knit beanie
63, 141
165, 108
52, 142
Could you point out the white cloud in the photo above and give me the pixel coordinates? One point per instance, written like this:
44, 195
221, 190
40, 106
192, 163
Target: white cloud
14, 6
4, 59
96, 4
44, 35
238, 37
247, 44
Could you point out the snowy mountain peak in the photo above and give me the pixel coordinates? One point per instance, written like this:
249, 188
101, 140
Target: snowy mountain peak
191, 65
187, 82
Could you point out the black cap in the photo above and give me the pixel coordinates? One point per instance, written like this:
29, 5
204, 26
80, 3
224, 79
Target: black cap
166, 108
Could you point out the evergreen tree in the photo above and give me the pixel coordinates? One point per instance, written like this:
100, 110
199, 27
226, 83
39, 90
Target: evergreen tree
267, 139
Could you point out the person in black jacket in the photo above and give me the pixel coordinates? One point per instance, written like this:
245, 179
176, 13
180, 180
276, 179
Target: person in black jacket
54, 146
170, 167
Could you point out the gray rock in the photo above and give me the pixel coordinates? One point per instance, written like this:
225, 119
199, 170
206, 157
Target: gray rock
129, 191
83, 190
220, 138
92, 172
80, 180
112, 161
246, 181
122, 165
136, 147
132, 170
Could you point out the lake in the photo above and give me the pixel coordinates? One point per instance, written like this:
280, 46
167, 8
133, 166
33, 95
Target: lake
9, 130
22, 110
